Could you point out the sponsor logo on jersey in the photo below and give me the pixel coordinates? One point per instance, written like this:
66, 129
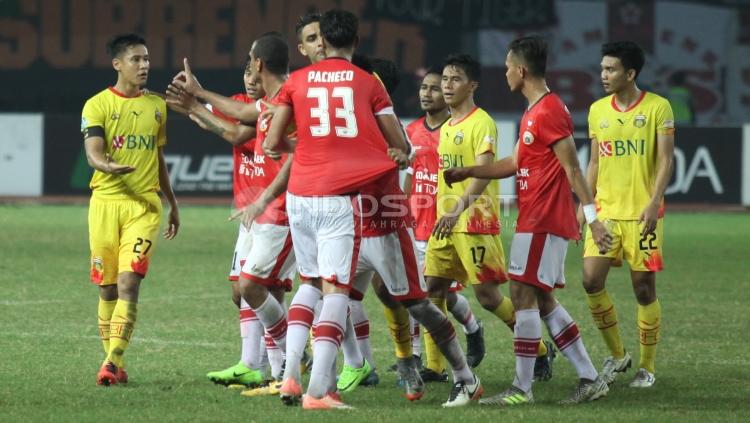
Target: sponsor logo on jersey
620, 148
528, 138
603, 124
136, 113
447, 161
134, 142
459, 138
157, 116
669, 124
115, 116
84, 123
639, 121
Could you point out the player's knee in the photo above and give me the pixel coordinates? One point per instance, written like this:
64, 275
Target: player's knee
592, 284
236, 298
488, 296
644, 294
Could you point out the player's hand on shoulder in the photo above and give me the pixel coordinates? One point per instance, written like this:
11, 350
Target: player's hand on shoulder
398, 156
173, 223
455, 174
601, 236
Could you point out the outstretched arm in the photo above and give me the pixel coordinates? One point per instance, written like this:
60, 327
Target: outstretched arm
243, 112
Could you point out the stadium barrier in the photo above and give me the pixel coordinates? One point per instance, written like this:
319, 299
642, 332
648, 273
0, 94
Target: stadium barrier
43, 155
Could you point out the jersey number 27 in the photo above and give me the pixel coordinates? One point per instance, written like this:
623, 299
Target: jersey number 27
322, 112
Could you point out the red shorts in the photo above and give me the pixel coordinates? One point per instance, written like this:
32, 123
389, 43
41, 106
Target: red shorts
538, 260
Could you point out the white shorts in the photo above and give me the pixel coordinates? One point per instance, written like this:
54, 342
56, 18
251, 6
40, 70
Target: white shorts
538, 260
241, 249
326, 236
394, 258
421, 253
270, 261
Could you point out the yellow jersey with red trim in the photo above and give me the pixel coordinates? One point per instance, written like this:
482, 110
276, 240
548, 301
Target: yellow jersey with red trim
460, 144
134, 128
627, 141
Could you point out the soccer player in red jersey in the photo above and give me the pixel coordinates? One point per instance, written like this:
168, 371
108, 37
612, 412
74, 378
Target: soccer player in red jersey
248, 370
351, 142
421, 184
546, 167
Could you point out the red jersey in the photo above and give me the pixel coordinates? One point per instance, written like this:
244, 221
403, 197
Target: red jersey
384, 206
243, 157
339, 145
545, 199
266, 170
424, 179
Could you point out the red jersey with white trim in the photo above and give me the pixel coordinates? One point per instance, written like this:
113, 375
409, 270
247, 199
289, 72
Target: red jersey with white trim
266, 170
242, 157
339, 145
424, 176
545, 199
384, 206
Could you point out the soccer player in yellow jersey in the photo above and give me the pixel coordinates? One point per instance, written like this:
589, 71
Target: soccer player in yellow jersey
465, 243
124, 131
632, 143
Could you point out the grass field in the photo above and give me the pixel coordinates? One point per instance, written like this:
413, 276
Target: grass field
50, 352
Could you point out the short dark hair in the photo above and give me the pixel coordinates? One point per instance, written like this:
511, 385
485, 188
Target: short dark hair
387, 72
631, 55
435, 69
118, 44
305, 20
339, 28
273, 50
465, 62
533, 51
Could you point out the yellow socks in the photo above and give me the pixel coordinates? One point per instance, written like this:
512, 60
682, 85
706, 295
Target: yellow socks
435, 359
121, 329
605, 317
398, 326
649, 319
104, 315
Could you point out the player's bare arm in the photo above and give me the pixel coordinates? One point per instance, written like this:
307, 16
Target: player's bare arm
173, 222
665, 161
250, 212
276, 141
444, 225
500, 169
187, 81
393, 132
592, 174
565, 151
97, 158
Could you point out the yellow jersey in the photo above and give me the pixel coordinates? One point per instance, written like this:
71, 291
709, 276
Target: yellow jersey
627, 152
460, 144
134, 129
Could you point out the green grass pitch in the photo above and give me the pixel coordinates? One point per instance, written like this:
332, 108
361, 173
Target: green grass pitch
50, 352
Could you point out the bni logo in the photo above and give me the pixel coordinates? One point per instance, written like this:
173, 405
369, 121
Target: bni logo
605, 149
118, 141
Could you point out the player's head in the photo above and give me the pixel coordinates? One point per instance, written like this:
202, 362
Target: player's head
253, 89
129, 58
430, 94
460, 79
339, 29
308, 33
526, 59
622, 61
269, 55
387, 72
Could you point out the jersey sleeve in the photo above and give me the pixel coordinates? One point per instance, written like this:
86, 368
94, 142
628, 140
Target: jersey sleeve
379, 99
484, 136
161, 139
592, 121
555, 125
93, 115
664, 118
284, 97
